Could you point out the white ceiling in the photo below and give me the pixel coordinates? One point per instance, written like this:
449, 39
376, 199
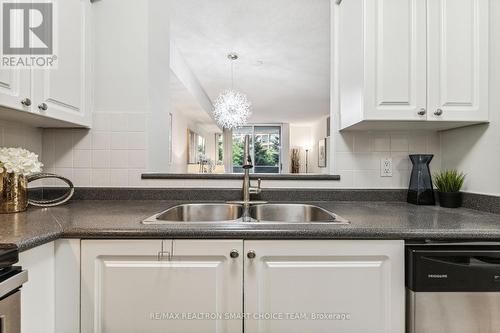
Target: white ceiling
284, 49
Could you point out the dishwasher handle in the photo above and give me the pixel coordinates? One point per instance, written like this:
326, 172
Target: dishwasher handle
473, 260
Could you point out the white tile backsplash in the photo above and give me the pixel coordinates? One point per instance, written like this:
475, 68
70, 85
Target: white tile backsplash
82, 139
101, 159
362, 142
101, 177
13, 134
119, 122
359, 164
118, 177
82, 177
399, 142
101, 140
101, 122
114, 153
82, 158
119, 140
119, 159
381, 142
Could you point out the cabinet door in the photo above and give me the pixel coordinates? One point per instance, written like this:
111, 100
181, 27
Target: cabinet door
126, 288
14, 87
66, 89
395, 59
458, 33
38, 294
325, 286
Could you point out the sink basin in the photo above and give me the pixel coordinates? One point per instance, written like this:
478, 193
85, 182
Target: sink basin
233, 212
294, 213
203, 212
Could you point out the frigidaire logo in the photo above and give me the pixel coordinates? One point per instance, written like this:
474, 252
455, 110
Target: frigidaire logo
437, 276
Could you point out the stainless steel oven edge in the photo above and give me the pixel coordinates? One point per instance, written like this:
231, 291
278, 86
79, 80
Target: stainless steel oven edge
13, 283
10, 303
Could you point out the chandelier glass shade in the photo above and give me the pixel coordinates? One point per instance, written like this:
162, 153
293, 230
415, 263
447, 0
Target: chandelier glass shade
231, 108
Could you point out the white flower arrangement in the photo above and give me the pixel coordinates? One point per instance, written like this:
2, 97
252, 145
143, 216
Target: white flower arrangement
20, 161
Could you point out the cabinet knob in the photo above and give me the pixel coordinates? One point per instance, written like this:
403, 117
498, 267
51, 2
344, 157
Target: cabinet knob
26, 102
422, 112
251, 254
438, 112
43, 107
234, 254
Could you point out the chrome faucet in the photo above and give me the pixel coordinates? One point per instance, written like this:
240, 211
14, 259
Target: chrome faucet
247, 165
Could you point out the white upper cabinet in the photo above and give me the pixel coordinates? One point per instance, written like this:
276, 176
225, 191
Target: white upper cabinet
64, 93
458, 60
15, 88
325, 286
153, 285
406, 63
395, 66
60, 96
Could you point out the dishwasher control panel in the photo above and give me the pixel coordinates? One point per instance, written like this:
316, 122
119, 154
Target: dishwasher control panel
453, 268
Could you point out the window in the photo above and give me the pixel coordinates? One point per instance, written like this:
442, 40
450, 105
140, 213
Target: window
265, 148
219, 148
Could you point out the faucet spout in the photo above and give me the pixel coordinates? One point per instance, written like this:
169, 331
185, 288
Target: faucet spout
247, 158
247, 165
247, 188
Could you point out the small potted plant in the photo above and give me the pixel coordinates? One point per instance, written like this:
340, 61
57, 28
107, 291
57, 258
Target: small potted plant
448, 184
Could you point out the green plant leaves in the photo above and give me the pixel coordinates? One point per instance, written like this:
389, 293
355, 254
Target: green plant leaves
449, 181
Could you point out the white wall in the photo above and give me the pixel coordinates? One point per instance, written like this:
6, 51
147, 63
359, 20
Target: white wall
476, 150
301, 137
308, 135
180, 125
319, 133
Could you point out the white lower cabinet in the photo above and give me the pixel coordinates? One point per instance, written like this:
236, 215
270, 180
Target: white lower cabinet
149, 285
325, 286
289, 286
38, 294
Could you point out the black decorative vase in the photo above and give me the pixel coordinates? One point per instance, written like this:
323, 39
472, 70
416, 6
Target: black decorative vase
421, 191
450, 199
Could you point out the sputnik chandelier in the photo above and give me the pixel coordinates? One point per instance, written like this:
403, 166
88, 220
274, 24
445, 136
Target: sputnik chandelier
232, 108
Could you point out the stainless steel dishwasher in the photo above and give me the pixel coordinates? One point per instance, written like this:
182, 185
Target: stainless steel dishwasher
453, 288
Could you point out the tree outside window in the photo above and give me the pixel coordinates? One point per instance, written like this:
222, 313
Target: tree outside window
265, 146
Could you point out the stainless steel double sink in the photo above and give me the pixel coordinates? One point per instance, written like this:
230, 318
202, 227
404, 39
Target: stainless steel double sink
231, 212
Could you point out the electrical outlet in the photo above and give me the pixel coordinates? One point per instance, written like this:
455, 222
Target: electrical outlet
386, 167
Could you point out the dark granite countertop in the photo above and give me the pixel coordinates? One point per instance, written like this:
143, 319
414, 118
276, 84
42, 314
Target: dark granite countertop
122, 219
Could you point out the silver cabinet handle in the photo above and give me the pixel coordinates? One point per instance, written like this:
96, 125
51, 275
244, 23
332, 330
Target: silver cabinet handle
438, 112
234, 254
251, 254
26, 102
422, 112
43, 107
